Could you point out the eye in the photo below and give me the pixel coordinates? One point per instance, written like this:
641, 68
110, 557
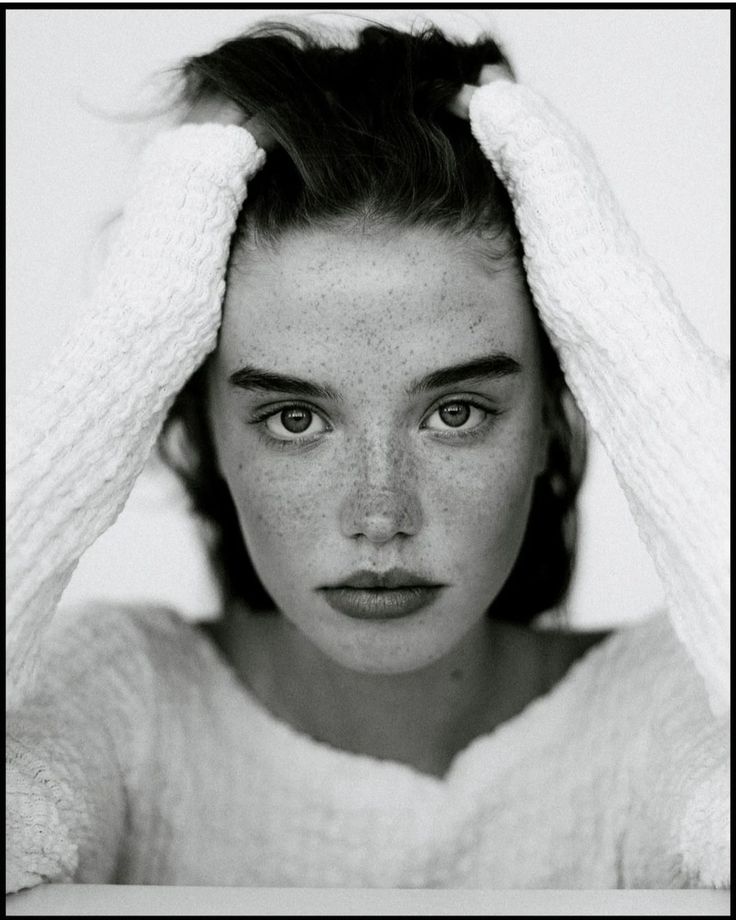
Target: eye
293, 423
456, 415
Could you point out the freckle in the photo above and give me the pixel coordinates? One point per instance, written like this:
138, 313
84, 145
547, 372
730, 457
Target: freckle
456, 674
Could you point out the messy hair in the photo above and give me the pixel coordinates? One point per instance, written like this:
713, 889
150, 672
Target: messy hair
364, 137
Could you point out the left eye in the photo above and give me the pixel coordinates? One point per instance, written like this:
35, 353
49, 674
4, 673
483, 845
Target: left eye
293, 423
455, 415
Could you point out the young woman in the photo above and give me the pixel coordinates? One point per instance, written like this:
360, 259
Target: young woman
358, 371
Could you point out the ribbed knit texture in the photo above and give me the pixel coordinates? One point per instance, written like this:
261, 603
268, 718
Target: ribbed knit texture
80, 439
656, 397
135, 755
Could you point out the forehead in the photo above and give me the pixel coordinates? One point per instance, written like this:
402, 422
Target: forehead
329, 298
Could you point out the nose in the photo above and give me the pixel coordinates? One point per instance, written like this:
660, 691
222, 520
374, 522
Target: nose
382, 501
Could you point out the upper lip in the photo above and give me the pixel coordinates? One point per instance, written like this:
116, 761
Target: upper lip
391, 578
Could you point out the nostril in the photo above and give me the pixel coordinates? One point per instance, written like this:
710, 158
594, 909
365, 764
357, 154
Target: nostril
382, 528
380, 516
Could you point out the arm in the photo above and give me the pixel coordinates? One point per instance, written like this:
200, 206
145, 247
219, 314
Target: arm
83, 434
78, 443
658, 400
651, 390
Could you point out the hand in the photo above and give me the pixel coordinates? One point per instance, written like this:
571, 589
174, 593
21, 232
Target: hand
223, 111
461, 103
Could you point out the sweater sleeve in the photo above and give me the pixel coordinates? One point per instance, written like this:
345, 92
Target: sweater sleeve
649, 387
658, 400
83, 432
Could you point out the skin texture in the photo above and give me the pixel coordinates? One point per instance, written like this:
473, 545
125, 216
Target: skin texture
381, 480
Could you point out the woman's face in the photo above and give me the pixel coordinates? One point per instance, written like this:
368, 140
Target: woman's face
377, 404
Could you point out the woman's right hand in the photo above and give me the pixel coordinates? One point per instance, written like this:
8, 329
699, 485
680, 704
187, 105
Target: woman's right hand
223, 111
82, 435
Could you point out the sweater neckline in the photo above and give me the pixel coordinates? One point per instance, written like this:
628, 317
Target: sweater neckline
540, 720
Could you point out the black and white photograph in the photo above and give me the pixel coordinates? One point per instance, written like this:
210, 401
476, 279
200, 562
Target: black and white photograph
367, 485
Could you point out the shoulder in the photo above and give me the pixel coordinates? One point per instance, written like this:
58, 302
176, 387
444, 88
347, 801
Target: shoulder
120, 672
645, 657
106, 625
658, 670
637, 683
90, 644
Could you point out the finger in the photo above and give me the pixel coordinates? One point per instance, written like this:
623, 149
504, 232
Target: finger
459, 105
215, 110
261, 134
491, 72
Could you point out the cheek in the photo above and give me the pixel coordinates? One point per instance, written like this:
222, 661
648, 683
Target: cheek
275, 497
484, 506
281, 506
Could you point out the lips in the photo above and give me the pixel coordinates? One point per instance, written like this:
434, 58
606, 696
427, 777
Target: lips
386, 595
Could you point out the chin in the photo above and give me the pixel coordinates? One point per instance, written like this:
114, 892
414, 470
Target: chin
389, 653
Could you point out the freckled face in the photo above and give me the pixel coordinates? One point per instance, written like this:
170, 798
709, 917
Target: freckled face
385, 469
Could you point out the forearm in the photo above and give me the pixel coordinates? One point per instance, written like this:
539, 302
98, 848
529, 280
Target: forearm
84, 432
652, 392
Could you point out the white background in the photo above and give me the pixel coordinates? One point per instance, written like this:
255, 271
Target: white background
648, 87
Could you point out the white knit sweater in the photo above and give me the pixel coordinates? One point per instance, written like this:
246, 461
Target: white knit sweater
135, 754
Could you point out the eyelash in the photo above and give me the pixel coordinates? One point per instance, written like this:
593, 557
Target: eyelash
262, 417
462, 434
450, 434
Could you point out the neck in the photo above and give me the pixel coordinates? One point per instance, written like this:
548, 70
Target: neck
422, 718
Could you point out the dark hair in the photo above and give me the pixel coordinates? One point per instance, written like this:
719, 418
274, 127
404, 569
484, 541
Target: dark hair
364, 135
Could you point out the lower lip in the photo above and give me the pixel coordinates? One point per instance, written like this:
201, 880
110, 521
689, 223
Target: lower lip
380, 603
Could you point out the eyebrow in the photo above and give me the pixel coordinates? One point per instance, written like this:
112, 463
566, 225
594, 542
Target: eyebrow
491, 366
253, 378
486, 367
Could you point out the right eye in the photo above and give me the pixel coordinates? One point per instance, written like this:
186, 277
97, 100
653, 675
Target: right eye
294, 423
